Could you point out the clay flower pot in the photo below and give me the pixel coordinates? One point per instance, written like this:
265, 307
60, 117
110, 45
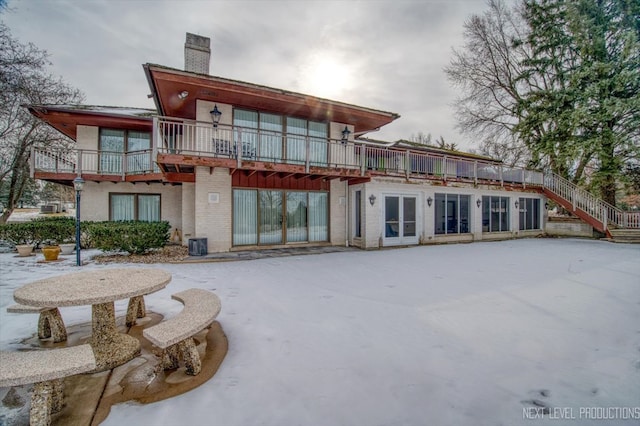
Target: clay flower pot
51, 252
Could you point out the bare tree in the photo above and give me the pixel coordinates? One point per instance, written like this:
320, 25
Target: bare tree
487, 70
24, 79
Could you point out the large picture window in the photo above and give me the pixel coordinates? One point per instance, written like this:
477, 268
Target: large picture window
144, 207
451, 214
495, 214
529, 213
266, 217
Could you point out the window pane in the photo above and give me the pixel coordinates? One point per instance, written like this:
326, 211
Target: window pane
318, 143
391, 216
464, 214
122, 207
149, 208
296, 216
111, 150
504, 213
296, 140
245, 217
270, 137
535, 213
245, 118
452, 214
441, 214
270, 217
521, 213
138, 152
245, 133
409, 217
495, 214
486, 213
318, 216
358, 214
138, 141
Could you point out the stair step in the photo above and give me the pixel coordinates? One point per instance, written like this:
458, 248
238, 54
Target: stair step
625, 235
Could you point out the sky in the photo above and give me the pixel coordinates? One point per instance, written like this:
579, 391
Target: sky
386, 55
480, 334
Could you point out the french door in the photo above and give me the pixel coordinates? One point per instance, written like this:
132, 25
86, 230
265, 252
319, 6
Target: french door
400, 220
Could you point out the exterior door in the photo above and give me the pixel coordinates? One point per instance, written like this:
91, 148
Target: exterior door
400, 220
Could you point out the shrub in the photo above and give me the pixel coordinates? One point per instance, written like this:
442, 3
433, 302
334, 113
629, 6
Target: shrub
55, 230
132, 236
18, 233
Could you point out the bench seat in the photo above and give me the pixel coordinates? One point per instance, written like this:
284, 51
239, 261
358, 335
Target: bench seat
50, 322
46, 369
175, 335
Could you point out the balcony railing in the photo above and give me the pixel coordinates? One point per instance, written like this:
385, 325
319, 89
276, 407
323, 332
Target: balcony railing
184, 137
94, 162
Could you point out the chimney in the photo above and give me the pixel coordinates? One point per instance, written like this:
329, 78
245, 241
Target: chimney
197, 54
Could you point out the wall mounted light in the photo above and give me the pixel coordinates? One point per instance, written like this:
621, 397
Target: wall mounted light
372, 199
215, 115
478, 202
345, 134
183, 95
517, 204
429, 201
546, 206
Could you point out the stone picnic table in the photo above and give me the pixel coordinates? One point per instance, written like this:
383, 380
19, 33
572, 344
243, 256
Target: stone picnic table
98, 288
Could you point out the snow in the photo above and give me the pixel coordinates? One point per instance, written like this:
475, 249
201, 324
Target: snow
465, 334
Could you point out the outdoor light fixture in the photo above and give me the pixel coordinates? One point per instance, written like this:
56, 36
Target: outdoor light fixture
183, 94
345, 137
215, 115
546, 206
429, 201
517, 204
372, 199
478, 202
78, 183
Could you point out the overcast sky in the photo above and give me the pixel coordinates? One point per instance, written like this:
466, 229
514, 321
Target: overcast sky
381, 54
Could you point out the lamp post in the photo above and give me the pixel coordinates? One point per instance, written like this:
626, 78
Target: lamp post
77, 185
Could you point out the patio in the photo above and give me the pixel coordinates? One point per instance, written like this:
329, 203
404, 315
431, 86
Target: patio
453, 334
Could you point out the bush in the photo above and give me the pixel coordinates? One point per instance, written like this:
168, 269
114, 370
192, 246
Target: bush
133, 237
18, 233
55, 230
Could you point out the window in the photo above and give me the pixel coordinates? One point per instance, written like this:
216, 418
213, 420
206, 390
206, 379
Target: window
262, 217
529, 213
114, 143
144, 207
358, 214
261, 134
495, 214
451, 214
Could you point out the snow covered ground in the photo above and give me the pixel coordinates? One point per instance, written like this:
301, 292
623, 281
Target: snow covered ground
465, 334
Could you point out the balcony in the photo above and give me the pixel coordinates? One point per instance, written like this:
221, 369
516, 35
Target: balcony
178, 146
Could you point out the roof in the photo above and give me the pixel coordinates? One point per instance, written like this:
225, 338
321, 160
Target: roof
66, 118
167, 83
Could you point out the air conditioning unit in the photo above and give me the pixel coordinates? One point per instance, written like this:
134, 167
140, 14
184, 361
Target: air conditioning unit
197, 246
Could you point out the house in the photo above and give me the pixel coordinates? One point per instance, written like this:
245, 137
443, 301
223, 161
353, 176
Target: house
247, 167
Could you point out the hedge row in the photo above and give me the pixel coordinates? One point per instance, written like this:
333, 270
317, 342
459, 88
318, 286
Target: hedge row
132, 236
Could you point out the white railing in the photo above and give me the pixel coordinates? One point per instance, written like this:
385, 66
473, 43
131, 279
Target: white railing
598, 209
188, 137
94, 162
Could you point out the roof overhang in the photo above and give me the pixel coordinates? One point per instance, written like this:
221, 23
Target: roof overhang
167, 83
66, 119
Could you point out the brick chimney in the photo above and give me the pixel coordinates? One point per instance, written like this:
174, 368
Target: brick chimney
197, 54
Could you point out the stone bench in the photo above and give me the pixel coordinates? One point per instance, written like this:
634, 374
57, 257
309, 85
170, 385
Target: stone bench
46, 369
50, 323
175, 335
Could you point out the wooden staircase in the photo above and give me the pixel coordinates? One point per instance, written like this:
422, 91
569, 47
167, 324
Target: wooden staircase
617, 224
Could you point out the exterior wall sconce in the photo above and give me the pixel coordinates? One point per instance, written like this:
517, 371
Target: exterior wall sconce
215, 115
183, 95
478, 202
345, 137
372, 199
546, 205
517, 204
429, 201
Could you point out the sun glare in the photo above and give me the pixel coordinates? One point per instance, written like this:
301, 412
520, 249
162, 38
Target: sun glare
326, 77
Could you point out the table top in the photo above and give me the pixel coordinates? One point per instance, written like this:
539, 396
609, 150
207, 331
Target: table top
92, 287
